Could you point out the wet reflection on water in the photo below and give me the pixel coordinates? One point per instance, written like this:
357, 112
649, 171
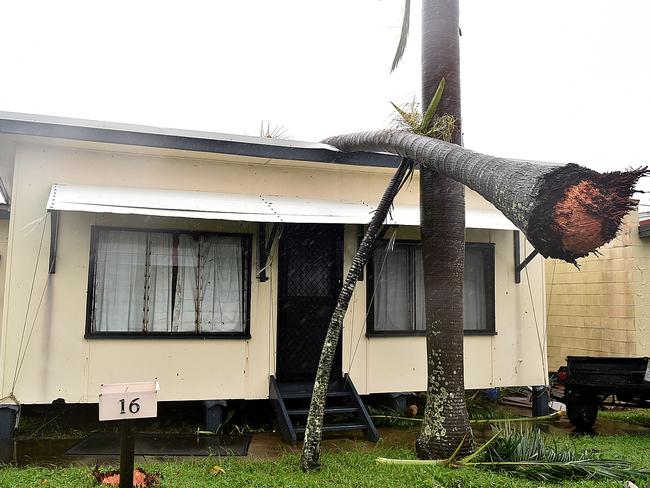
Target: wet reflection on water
269, 445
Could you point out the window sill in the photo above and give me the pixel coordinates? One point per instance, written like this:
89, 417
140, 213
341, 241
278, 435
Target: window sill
164, 335
422, 333
480, 332
409, 333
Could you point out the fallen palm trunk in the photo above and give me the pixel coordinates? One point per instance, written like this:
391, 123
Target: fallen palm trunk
566, 211
310, 458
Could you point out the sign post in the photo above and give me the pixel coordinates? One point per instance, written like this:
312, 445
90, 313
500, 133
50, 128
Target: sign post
127, 402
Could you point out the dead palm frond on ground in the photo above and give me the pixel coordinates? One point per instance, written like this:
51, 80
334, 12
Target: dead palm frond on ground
530, 454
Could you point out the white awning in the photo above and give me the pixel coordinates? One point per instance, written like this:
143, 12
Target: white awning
249, 208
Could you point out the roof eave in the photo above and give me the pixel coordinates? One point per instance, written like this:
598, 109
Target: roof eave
92, 131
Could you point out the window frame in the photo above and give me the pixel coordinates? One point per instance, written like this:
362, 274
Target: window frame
490, 266
247, 262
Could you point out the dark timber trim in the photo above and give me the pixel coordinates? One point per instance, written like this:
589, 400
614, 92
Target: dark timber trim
644, 229
54, 238
264, 247
281, 413
189, 142
519, 266
261, 252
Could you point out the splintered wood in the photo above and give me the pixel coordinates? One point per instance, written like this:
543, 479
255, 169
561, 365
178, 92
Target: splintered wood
590, 212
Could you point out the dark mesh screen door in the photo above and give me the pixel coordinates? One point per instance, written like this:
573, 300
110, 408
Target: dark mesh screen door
311, 269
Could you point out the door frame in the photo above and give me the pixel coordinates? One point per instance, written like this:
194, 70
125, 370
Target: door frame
337, 367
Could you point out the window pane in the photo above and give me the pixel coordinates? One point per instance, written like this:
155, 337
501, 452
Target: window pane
420, 317
221, 278
392, 302
187, 284
475, 299
119, 281
403, 270
168, 282
159, 317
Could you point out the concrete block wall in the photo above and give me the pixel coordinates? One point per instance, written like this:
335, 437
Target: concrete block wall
601, 309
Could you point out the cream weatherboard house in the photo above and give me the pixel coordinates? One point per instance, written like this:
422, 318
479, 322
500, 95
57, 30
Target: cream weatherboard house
212, 262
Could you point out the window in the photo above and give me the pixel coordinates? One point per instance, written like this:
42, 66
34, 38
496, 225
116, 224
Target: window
397, 305
162, 283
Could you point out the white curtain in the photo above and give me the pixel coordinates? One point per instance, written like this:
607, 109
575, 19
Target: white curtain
159, 316
392, 302
221, 284
119, 281
135, 276
187, 284
475, 305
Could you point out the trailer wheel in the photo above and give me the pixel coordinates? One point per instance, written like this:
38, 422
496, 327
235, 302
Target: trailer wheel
582, 412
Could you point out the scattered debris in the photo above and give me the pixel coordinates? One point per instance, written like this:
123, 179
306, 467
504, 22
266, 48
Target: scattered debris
141, 479
217, 470
411, 411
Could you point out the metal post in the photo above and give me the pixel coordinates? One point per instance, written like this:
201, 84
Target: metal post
127, 450
540, 401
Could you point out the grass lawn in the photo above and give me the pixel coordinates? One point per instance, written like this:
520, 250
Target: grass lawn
638, 416
354, 468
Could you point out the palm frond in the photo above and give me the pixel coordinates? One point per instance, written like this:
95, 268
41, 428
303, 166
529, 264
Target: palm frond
406, 116
526, 453
614, 469
427, 119
273, 132
401, 46
409, 118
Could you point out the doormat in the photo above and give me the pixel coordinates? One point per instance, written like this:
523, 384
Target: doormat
108, 443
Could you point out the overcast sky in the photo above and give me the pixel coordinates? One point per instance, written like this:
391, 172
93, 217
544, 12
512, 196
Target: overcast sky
560, 80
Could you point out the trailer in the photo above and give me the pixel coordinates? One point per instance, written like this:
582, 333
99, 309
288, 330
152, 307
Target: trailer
590, 382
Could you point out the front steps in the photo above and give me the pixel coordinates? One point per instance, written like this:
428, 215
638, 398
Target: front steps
344, 410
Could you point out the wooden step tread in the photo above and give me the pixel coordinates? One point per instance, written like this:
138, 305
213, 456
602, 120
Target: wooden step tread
305, 411
307, 394
335, 427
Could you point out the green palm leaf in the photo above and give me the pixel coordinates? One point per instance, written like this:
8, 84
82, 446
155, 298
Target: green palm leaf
433, 106
526, 453
401, 46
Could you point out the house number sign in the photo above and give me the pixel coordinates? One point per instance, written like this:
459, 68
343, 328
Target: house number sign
124, 401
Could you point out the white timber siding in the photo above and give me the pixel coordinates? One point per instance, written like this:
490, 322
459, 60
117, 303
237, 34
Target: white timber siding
60, 363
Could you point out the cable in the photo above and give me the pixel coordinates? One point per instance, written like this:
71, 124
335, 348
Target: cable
389, 247
29, 302
31, 331
539, 339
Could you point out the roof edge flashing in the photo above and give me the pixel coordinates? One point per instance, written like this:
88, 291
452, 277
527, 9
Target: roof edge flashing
145, 136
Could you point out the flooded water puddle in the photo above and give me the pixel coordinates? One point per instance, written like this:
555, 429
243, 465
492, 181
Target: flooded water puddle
51, 452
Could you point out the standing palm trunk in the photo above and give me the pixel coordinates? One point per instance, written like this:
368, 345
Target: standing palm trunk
310, 459
445, 422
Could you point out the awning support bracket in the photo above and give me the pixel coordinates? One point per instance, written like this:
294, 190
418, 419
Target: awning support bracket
519, 266
264, 247
54, 237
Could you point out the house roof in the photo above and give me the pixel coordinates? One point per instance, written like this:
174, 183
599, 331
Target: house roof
211, 142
